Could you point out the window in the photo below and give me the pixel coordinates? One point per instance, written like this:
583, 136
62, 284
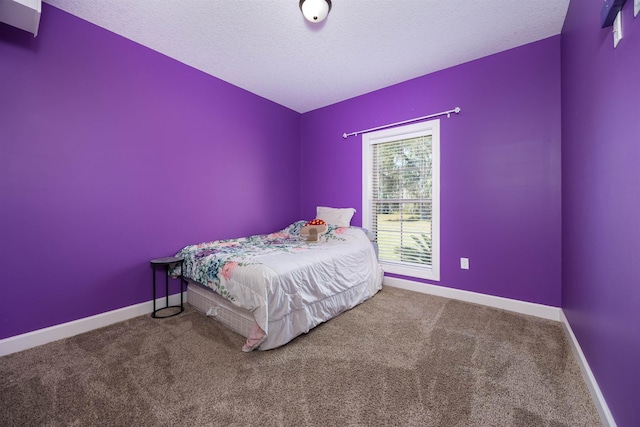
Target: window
401, 197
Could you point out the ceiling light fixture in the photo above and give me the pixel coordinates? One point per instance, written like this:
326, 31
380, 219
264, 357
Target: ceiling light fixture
315, 10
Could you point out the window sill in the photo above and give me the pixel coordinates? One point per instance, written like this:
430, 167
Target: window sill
429, 273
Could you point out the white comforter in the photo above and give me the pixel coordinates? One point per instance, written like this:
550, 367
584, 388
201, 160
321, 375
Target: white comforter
288, 284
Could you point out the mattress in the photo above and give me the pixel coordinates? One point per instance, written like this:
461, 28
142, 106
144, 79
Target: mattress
208, 302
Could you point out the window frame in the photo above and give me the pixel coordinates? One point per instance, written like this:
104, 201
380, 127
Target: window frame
432, 128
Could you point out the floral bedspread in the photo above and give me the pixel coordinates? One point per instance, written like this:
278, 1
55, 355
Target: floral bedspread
213, 263
280, 276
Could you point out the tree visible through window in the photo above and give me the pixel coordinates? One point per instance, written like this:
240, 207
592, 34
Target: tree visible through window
401, 197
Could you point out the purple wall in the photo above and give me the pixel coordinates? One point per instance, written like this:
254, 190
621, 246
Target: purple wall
500, 190
601, 200
112, 154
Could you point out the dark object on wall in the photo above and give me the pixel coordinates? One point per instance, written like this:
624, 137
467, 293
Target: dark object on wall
609, 11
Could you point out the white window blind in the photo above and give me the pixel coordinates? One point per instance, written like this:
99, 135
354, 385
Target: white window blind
401, 197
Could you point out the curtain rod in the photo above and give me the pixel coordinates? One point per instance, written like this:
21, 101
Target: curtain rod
448, 113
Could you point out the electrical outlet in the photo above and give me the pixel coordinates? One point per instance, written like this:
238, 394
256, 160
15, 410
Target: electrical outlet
464, 263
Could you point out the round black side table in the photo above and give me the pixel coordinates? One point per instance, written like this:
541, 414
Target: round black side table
166, 262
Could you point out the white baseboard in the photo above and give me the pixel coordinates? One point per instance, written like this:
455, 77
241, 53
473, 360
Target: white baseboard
532, 309
69, 329
596, 395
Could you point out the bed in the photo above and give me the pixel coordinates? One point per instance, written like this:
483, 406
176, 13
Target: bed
272, 288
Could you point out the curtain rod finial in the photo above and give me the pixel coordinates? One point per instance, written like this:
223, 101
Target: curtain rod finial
344, 135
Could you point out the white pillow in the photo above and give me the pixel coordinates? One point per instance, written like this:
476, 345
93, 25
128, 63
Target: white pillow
334, 216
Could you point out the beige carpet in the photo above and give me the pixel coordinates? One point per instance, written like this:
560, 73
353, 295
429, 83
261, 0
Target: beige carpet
399, 359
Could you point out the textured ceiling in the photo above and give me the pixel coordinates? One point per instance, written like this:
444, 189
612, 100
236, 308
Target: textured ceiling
266, 46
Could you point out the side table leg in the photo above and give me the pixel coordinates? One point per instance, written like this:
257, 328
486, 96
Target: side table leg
166, 284
153, 272
181, 284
